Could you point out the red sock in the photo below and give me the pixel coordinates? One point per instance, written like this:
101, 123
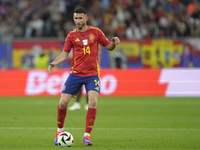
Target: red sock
90, 119
61, 114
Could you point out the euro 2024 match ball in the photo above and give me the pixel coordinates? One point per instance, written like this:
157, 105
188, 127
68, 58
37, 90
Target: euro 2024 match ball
65, 139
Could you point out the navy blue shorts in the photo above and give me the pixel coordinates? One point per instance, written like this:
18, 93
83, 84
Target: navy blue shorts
74, 83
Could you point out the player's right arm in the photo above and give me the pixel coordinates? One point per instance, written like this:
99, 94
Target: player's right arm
57, 61
67, 48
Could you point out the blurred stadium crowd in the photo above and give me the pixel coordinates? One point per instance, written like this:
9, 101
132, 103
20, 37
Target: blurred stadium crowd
133, 19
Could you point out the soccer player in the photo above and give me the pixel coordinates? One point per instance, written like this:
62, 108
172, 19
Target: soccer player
84, 69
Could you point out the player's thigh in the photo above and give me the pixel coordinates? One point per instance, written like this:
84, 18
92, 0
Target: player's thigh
92, 83
72, 85
64, 100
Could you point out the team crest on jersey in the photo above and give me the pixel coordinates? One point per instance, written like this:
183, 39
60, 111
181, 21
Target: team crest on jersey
85, 42
91, 37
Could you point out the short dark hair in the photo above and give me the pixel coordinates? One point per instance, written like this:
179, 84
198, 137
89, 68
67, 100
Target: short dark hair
80, 10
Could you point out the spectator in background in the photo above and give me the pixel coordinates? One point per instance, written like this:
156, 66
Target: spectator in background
163, 18
133, 32
28, 31
53, 55
37, 25
118, 59
27, 59
7, 37
3, 64
187, 57
132, 19
42, 60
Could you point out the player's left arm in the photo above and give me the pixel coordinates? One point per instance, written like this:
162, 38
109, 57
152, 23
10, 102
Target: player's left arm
113, 42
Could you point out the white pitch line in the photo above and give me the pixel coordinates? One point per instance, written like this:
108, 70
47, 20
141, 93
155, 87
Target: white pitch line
136, 129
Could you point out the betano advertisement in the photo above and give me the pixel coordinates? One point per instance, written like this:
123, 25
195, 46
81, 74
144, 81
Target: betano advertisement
160, 82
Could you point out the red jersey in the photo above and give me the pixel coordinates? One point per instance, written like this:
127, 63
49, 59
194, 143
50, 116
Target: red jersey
85, 60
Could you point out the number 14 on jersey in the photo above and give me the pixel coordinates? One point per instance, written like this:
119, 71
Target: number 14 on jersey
86, 50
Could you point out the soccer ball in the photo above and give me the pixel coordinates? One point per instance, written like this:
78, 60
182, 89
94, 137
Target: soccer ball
65, 139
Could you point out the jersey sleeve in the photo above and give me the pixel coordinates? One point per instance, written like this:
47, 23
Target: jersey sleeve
102, 39
68, 44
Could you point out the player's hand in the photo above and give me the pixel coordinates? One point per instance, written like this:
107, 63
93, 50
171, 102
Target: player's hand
115, 40
51, 68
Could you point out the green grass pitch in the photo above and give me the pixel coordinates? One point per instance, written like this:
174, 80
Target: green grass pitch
122, 123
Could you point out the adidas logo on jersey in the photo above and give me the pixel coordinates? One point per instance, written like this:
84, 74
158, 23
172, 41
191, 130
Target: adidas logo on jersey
77, 40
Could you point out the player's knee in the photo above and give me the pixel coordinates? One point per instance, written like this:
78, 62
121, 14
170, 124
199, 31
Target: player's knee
64, 101
93, 102
63, 104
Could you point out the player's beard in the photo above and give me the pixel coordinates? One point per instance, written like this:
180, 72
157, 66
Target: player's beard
80, 26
